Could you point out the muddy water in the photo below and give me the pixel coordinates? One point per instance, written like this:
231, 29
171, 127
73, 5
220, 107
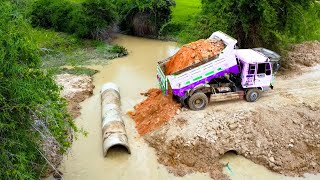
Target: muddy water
134, 74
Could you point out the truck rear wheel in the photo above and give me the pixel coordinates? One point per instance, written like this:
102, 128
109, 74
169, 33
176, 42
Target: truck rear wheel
252, 95
198, 101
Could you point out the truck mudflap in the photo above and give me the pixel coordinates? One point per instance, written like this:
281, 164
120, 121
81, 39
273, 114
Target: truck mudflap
163, 80
113, 128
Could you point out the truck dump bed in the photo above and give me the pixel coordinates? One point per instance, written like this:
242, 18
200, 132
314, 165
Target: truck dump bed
200, 72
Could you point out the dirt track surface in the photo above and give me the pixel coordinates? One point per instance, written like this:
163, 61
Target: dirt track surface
193, 53
280, 131
75, 89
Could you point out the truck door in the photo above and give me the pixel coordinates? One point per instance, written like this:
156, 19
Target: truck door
263, 76
250, 75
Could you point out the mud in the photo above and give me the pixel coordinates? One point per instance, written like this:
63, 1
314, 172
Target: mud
154, 111
75, 90
286, 142
193, 53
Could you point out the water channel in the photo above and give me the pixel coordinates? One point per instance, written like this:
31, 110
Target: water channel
135, 74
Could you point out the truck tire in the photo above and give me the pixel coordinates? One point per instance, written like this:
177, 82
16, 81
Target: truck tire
252, 95
198, 101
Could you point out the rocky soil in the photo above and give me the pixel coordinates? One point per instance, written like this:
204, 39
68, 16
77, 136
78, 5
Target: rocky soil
280, 131
193, 53
76, 88
301, 56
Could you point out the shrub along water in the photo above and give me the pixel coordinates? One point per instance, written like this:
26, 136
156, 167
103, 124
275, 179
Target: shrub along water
89, 19
30, 104
143, 17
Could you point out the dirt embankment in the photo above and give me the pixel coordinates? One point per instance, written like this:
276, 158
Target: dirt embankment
300, 56
280, 131
76, 88
283, 136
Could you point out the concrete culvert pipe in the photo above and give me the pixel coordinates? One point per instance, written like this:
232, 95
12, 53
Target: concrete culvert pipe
113, 128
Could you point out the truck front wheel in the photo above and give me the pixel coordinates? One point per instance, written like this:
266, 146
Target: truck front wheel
252, 95
198, 101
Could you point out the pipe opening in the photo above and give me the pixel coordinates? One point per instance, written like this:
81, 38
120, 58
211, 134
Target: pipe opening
118, 149
230, 152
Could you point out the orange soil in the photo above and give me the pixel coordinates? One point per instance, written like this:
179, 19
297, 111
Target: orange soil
154, 111
193, 53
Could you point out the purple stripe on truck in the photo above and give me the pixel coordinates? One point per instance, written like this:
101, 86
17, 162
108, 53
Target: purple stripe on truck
180, 92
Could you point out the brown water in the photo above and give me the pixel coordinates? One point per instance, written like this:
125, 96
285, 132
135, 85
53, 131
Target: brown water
134, 74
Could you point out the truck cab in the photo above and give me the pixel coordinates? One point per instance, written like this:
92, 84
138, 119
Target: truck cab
256, 69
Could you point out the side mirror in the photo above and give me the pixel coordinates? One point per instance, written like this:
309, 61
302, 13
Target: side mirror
276, 67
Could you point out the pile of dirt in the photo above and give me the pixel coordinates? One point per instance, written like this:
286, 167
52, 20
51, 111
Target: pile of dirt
281, 132
302, 55
76, 88
285, 144
154, 111
193, 53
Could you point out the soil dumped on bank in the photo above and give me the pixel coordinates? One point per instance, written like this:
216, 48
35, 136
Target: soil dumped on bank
154, 111
76, 88
193, 53
286, 142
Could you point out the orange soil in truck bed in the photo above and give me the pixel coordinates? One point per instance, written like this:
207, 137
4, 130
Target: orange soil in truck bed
154, 111
193, 53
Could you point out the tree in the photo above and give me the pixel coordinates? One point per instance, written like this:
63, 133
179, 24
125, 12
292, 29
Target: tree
252, 22
30, 102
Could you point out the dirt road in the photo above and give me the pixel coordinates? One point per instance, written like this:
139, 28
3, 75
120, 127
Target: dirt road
281, 131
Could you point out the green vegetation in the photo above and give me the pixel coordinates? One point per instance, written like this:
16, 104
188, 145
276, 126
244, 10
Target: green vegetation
185, 10
272, 24
143, 17
89, 19
31, 108
78, 71
184, 15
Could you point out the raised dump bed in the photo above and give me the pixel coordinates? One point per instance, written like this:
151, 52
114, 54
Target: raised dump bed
201, 71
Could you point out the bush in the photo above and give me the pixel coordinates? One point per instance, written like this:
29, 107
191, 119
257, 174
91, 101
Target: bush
94, 19
90, 19
144, 17
264, 23
52, 14
29, 102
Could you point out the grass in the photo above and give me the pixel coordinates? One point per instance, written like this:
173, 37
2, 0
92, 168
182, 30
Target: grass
185, 10
183, 18
61, 49
77, 71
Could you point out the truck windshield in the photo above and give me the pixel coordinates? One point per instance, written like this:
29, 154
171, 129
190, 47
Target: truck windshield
264, 68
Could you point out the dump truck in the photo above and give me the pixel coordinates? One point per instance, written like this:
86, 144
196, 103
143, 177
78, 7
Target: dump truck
232, 74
